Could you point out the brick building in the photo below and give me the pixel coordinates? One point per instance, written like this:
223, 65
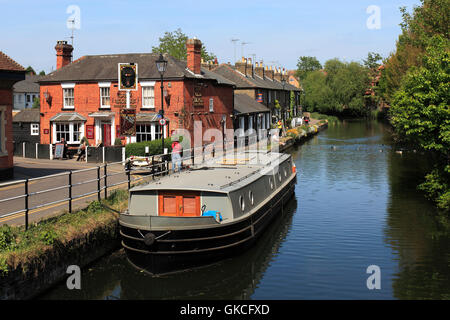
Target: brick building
82, 98
10, 73
264, 85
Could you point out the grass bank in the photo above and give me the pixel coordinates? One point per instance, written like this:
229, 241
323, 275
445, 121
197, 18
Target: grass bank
20, 248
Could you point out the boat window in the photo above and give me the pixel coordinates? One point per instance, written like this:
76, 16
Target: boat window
250, 196
242, 203
285, 172
279, 176
271, 183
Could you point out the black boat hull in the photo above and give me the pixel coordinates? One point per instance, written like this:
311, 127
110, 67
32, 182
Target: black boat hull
178, 250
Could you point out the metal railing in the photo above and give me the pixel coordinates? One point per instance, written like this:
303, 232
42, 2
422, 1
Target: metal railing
102, 181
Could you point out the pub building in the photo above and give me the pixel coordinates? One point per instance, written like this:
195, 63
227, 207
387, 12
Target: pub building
82, 98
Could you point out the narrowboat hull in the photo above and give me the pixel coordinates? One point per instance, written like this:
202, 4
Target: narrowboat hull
166, 250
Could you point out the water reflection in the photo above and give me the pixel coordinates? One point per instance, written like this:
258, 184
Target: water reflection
421, 245
235, 278
356, 205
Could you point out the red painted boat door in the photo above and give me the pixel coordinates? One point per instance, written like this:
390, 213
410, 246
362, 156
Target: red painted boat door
186, 204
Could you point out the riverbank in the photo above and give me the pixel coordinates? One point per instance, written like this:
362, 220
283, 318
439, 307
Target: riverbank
33, 261
300, 134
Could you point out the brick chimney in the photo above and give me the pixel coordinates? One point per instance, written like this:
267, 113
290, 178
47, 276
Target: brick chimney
63, 54
241, 66
194, 55
259, 69
269, 72
277, 74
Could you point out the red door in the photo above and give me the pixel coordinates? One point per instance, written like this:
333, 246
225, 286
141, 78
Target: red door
180, 204
106, 135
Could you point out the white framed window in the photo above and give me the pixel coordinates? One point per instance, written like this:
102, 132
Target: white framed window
148, 132
70, 131
148, 96
69, 100
211, 105
104, 98
143, 132
105, 94
34, 129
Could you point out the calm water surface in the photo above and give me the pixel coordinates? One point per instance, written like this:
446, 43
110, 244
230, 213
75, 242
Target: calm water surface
356, 205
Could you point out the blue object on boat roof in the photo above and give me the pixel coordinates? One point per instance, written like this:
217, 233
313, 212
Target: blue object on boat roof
212, 213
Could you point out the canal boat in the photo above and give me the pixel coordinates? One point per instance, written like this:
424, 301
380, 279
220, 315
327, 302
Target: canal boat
206, 213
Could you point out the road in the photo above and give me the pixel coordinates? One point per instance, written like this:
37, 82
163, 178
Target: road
54, 174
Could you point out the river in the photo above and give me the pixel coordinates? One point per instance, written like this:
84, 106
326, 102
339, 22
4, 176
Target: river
356, 205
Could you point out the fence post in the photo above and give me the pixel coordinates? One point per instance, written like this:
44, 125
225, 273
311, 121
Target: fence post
70, 191
23, 149
106, 181
128, 168
26, 204
98, 184
50, 148
123, 155
37, 144
103, 155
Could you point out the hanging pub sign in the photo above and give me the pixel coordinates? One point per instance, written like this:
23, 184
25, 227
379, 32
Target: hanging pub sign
128, 76
198, 100
128, 122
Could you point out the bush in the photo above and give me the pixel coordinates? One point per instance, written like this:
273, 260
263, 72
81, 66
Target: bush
138, 148
48, 237
7, 237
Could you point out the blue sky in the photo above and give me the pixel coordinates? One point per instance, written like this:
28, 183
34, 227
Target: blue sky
278, 32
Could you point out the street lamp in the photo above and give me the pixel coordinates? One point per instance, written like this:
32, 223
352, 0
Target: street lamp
161, 65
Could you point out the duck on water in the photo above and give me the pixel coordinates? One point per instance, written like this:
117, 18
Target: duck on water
207, 213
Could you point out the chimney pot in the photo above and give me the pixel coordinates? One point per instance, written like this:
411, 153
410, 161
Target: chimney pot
194, 53
63, 53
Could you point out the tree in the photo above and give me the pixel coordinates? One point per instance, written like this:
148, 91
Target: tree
420, 114
372, 61
29, 69
174, 43
306, 65
36, 103
42, 73
431, 18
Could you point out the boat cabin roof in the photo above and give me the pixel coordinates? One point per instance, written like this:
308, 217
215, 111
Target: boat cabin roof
220, 174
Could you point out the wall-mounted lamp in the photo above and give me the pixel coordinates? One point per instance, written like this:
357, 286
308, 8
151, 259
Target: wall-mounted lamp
48, 97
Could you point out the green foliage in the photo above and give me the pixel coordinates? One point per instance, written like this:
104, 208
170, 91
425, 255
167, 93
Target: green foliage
36, 103
373, 60
7, 238
29, 69
95, 207
427, 20
420, 111
339, 89
305, 65
138, 148
174, 43
117, 142
48, 237
420, 115
42, 73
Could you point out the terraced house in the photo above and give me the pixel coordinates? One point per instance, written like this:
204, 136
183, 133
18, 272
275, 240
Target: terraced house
81, 98
264, 85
